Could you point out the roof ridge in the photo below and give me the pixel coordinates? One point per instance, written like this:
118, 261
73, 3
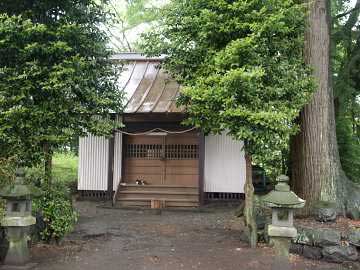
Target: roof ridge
136, 56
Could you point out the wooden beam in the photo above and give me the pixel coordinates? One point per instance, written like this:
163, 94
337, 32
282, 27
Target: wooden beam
153, 117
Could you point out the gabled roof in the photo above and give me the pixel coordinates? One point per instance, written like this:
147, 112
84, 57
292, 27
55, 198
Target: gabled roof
148, 87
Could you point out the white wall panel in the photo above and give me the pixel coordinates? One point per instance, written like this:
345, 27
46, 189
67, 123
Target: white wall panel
93, 163
224, 169
117, 159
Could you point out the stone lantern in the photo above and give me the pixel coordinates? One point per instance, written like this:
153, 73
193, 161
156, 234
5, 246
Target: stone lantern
282, 202
17, 222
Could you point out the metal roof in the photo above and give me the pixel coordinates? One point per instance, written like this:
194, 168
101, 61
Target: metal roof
136, 56
148, 88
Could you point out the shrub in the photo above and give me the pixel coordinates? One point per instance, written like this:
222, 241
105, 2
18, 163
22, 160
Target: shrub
7, 176
57, 212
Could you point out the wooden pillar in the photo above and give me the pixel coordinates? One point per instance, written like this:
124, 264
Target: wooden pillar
201, 167
110, 185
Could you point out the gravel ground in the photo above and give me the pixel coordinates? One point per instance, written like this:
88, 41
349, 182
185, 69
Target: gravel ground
118, 239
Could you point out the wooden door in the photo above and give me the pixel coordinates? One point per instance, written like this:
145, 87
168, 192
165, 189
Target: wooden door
182, 160
162, 160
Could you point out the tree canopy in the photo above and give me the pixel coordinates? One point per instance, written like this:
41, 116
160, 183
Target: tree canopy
241, 64
55, 75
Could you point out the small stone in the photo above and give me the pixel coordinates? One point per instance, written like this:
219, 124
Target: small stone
244, 236
339, 253
326, 214
325, 211
313, 253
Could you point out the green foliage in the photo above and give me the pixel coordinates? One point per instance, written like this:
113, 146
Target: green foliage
242, 67
57, 211
65, 167
7, 176
130, 17
346, 70
349, 149
55, 75
64, 171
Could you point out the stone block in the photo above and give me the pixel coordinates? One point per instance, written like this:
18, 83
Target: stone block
339, 254
313, 253
318, 237
326, 237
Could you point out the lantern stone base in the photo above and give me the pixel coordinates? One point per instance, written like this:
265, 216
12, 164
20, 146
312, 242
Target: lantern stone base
280, 239
281, 245
18, 253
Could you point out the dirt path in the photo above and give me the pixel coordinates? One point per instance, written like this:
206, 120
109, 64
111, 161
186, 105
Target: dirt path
112, 239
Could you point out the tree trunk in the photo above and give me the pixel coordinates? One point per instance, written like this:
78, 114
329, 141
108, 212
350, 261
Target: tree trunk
47, 162
316, 168
249, 214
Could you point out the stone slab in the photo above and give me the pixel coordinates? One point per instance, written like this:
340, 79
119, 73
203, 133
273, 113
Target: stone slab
18, 221
278, 231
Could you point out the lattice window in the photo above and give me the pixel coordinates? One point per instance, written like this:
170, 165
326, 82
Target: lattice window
155, 151
147, 151
223, 196
182, 151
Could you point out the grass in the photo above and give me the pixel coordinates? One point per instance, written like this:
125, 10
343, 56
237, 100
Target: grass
65, 167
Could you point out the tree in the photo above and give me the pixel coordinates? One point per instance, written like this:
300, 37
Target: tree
55, 76
242, 67
130, 19
316, 169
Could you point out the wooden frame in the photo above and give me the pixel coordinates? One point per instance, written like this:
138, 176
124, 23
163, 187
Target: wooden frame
110, 188
201, 167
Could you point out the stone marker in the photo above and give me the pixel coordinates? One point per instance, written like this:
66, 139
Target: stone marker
17, 222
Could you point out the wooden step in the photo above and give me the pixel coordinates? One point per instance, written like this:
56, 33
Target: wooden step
142, 195
161, 195
131, 203
157, 195
140, 202
158, 188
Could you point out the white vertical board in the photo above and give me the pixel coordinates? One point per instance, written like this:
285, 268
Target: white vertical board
224, 169
93, 163
117, 160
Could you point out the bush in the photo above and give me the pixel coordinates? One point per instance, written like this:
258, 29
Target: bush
7, 176
349, 148
57, 212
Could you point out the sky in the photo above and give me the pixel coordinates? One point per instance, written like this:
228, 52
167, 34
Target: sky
133, 34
